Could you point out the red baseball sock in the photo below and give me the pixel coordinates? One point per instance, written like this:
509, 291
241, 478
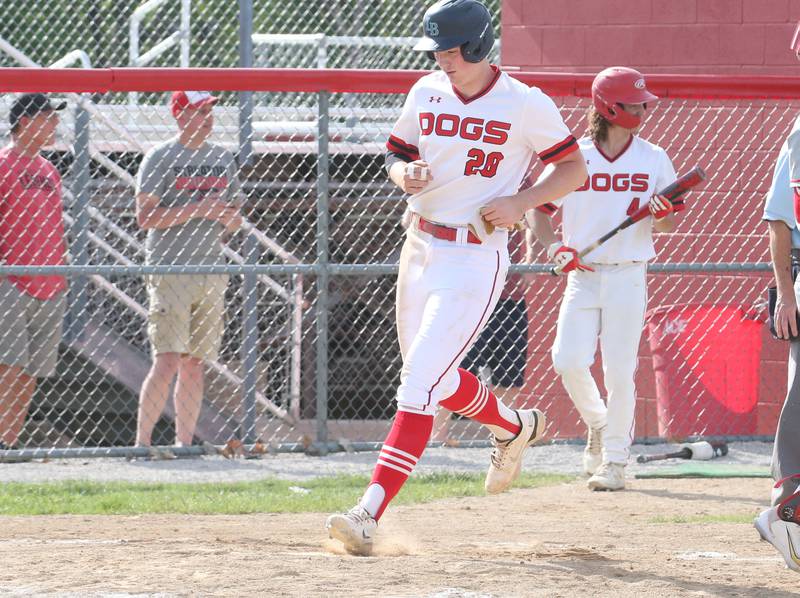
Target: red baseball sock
400, 452
473, 400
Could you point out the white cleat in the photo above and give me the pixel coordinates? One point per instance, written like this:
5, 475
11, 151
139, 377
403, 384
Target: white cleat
507, 454
609, 476
763, 523
355, 529
783, 535
593, 453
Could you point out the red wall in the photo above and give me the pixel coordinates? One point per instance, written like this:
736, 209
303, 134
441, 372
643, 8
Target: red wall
672, 36
686, 36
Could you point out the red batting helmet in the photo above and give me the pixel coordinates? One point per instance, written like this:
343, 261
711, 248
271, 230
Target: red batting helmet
619, 85
795, 47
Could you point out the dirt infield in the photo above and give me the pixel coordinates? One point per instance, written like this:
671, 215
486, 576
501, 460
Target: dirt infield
554, 541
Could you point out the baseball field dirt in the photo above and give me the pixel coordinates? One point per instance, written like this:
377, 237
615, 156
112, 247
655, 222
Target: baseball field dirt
674, 537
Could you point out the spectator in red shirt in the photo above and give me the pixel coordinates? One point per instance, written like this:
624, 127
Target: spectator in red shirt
31, 234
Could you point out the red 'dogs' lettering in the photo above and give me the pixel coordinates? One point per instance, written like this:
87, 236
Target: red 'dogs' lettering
426, 120
602, 181
497, 132
470, 128
446, 125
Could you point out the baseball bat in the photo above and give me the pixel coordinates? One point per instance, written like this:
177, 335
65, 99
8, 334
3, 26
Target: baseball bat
672, 192
700, 451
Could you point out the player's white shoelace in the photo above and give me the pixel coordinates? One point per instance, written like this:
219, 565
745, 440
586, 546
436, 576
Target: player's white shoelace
358, 515
595, 443
500, 451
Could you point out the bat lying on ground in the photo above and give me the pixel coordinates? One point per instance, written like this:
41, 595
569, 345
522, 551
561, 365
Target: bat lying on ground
672, 192
697, 451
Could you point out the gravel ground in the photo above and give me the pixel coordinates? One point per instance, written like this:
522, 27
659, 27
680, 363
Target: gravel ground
554, 458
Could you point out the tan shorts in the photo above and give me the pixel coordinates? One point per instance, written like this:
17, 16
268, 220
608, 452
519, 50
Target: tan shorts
187, 313
30, 330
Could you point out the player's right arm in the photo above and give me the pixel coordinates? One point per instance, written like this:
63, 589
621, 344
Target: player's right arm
540, 229
779, 214
780, 249
403, 163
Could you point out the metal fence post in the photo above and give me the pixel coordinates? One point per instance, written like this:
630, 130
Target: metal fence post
245, 97
249, 349
323, 276
79, 246
186, 31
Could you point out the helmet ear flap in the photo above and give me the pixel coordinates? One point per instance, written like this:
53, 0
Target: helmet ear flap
473, 52
605, 108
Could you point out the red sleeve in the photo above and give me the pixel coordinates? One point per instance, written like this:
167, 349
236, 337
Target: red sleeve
548, 208
555, 152
398, 146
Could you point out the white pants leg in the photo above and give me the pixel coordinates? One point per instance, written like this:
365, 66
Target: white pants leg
408, 307
576, 342
624, 300
446, 294
609, 303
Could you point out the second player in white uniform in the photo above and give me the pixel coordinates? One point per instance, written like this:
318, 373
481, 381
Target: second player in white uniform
606, 296
460, 148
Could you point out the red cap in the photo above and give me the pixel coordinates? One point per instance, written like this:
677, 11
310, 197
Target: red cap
795, 47
181, 100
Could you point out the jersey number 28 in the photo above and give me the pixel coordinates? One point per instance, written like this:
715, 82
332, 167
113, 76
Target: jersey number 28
480, 162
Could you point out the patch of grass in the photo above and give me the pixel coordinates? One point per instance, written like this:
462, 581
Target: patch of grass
727, 518
263, 496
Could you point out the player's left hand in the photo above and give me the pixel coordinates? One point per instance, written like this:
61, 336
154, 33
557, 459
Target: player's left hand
503, 212
660, 206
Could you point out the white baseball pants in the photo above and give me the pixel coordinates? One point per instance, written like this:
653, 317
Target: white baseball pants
446, 292
608, 303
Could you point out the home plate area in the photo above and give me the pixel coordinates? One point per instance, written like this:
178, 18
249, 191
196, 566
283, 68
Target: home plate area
660, 537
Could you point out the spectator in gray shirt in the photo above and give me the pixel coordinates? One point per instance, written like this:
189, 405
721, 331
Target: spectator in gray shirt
187, 197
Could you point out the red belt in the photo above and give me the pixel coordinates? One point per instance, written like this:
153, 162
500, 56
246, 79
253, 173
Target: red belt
440, 231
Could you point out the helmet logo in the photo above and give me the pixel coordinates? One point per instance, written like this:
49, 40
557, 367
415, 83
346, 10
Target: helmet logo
639, 84
433, 28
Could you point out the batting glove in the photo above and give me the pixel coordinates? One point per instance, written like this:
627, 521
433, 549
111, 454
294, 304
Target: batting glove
566, 259
660, 207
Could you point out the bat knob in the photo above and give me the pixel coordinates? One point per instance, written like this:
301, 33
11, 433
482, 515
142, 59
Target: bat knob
701, 450
720, 449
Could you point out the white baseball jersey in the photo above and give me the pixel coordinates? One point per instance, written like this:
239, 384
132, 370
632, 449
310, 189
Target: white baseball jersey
615, 188
477, 148
779, 204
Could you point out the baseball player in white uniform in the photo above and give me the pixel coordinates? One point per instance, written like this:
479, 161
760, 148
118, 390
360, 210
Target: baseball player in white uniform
606, 296
460, 148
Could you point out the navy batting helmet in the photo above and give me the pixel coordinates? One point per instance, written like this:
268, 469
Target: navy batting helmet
464, 24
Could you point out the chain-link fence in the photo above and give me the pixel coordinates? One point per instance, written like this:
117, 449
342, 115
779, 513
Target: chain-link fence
307, 355
308, 350
205, 33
